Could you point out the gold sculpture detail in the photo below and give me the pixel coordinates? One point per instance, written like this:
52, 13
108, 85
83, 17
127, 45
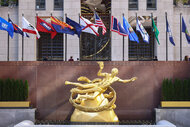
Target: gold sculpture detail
94, 100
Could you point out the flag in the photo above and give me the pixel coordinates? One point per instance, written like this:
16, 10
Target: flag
77, 27
17, 29
169, 32
62, 27
29, 28
132, 35
184, 29
122, 31
117, 27
43, 26
99, 23
88, 26
114, 24
144, 34
4, 25
155, 30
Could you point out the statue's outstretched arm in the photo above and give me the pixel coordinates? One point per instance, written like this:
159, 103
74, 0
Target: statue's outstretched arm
79, 84
127, 80
96, 80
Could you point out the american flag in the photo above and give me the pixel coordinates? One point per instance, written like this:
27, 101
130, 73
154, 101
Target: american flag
99, 23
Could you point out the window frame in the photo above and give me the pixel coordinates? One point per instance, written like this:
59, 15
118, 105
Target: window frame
133, 8
4, 3
151, 8
58, 9
41, 8
137, 54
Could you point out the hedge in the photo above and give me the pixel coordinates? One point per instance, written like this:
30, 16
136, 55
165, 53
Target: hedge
13, 90
175, 90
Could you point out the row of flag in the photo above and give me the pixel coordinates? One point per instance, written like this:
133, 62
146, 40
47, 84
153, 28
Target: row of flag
56, 26
71, 27
127, 30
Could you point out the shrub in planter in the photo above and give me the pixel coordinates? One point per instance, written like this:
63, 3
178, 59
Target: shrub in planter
13, 90
176, 90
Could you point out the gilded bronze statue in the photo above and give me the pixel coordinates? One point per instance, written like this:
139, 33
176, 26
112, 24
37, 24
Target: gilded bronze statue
94, 100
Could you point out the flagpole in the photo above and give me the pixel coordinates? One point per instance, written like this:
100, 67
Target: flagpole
166, 39
153, 55
36, 44
180, 38
65, 41
95, 36
137, 44
22, 45
8, 43
123, 46
51, 45
110, 36
79, 40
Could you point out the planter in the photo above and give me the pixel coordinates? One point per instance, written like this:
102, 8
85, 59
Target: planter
175, 104
14, 104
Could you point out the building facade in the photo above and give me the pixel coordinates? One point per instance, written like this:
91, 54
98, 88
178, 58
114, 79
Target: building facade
112, 47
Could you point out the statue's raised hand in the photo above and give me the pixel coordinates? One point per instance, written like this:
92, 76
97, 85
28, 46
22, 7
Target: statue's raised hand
101, 64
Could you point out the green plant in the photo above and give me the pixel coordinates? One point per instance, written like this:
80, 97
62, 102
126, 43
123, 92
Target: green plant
176, 90
13, 90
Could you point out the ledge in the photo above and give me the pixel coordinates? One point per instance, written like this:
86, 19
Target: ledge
14, 104
176, 104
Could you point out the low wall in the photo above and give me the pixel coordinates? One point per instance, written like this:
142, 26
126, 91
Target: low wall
99, 126
135, 101
10, 117
179, 117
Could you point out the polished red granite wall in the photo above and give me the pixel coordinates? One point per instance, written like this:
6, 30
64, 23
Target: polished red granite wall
135, 100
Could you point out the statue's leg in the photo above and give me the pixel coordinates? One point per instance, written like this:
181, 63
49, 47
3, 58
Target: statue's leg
97, 80
84, 91
79, 84
88, 96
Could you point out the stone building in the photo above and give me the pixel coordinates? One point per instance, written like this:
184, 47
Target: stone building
89, 47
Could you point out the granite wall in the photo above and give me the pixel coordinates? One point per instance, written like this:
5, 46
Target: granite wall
135, 100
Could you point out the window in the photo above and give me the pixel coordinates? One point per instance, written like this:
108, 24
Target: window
40, 4
142, 51
50, 49
9, 3
151, 4
58, 4
133, 4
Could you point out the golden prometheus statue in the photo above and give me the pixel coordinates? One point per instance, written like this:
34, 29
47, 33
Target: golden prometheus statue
94, 100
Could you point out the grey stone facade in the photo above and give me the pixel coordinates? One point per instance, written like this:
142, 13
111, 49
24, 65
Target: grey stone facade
11, 117
179, 117
72, 9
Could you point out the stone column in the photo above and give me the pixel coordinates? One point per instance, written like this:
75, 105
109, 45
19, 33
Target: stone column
72, 8
118, 7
